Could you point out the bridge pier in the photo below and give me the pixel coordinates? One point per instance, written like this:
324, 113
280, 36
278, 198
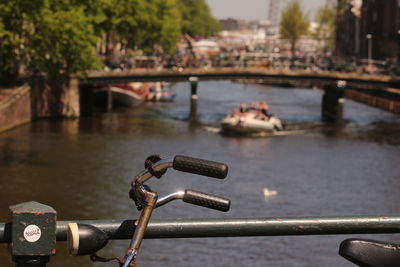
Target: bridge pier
50, 99
193, 99
109, 98
333, 101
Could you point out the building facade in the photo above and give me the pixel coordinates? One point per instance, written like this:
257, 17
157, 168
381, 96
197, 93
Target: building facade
370, 31
347, 28
380, 22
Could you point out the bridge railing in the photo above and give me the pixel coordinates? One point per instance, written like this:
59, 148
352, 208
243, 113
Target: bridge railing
33, 230
237, 227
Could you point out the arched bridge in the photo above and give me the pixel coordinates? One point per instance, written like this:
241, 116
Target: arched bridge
283, 77
370, 89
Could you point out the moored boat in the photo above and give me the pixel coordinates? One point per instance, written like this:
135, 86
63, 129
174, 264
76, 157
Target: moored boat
160, 92
124, 94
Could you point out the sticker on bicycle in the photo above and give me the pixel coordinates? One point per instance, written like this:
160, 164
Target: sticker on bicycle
32, 233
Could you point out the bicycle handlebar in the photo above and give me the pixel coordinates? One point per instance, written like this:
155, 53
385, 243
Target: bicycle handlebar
200, 166
147, 200
206, 200
185, 164
197, 198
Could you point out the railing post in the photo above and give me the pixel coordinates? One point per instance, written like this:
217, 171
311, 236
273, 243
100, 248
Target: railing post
333, 101
33, 234
193, 99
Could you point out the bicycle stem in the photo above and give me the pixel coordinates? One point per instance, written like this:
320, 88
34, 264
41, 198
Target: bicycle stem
150, 199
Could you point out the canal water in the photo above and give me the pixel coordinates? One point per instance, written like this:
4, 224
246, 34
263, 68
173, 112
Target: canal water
83, 169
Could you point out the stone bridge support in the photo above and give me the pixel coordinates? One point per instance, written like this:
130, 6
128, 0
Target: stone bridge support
193, 98
333, 101
54, 101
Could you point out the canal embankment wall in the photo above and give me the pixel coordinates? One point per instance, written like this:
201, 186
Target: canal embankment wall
388, 99
15, 107
36, 100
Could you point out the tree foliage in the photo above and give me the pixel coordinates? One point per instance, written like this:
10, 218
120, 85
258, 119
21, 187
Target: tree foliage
326, 20
62, 37
15, 30
63, 43
138, 24
159, 26
51, 36
197, 18
294, 23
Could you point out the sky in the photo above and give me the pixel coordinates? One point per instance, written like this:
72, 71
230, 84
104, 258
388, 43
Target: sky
253, 9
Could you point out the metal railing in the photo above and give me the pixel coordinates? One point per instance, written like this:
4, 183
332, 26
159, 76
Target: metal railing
240, 227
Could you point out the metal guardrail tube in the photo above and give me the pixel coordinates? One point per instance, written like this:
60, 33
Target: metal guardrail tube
123, 229
116, 229
274, 227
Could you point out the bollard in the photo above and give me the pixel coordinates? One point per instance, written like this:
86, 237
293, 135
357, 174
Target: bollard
193, 100
33, 234
333, 101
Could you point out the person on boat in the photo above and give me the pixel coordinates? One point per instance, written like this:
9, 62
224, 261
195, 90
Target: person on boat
243, 108
237, 116
233, 113
148, 91
253, 106
264, 111
166, 90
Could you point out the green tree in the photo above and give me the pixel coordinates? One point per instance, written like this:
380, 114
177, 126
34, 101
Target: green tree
197, 18
294, 24
156, 24
167, 26
63, 43
60, 37
51, 36
137, 24
326, 20
15, 18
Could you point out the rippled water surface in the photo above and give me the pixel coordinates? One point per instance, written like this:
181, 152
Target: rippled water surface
83, 169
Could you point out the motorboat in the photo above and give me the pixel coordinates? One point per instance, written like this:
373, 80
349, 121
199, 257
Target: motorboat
250, 123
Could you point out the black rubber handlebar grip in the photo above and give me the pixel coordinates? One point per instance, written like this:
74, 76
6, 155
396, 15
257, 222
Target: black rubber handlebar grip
206, 200
200, 166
